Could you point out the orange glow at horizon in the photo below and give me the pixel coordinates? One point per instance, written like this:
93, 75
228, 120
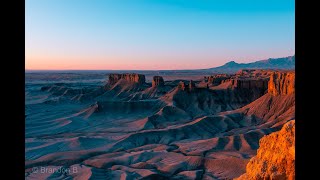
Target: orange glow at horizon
56, 63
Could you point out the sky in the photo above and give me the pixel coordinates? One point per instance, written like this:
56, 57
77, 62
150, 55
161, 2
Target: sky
155, 34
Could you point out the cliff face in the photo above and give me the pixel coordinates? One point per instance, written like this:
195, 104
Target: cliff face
250, 83
275, 157
281, 83
182, 86
257, 73
135, 78
157, 81
216, 79
278, 83
244, 72
192, 85
187, 87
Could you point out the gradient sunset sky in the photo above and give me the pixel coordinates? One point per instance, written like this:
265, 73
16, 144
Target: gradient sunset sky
155, 34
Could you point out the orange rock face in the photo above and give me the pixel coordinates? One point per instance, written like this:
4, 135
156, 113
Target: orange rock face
275, 157
135, 78
281, 83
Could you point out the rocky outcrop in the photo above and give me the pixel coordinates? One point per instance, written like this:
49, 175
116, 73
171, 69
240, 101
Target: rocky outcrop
157, 81
277, 83
253, 73
239, 83
216, 79
192, 85
187, 87
182, 85
134, 78
245, 72
275, 157
281, 83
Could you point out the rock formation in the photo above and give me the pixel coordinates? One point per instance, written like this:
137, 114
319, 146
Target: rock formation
192, 85
275, 157
240, 83
187, 87
157, 81
281, 83
216, 79
244, 72
186, 130
182, 85
253, 73
135, 78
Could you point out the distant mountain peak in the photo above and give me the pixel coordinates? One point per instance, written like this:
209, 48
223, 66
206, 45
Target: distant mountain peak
231, 63
270, 63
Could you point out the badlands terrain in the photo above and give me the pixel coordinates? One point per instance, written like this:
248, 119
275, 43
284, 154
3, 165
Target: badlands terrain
147, 125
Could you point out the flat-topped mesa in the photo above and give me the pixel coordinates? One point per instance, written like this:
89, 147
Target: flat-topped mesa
250, 83
281, 83
157, 81
216, 79
135, 78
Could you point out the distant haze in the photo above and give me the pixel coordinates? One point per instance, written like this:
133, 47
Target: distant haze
155, 35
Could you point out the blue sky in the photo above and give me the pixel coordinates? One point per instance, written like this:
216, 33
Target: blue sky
156, 34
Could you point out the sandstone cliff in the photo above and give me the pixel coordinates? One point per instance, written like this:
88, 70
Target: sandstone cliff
135, 78
240, 83
216, 79
281, 83
157, 81
278, 83
275, 157
260, 73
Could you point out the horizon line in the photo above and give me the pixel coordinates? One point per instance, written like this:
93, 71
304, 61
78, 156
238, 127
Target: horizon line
150, 69
114, 69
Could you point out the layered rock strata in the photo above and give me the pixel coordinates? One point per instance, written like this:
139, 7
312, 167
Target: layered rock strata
281, 83
135, 78
240, 83
216, 79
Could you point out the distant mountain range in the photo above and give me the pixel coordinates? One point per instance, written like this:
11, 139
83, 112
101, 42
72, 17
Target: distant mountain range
271, 63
